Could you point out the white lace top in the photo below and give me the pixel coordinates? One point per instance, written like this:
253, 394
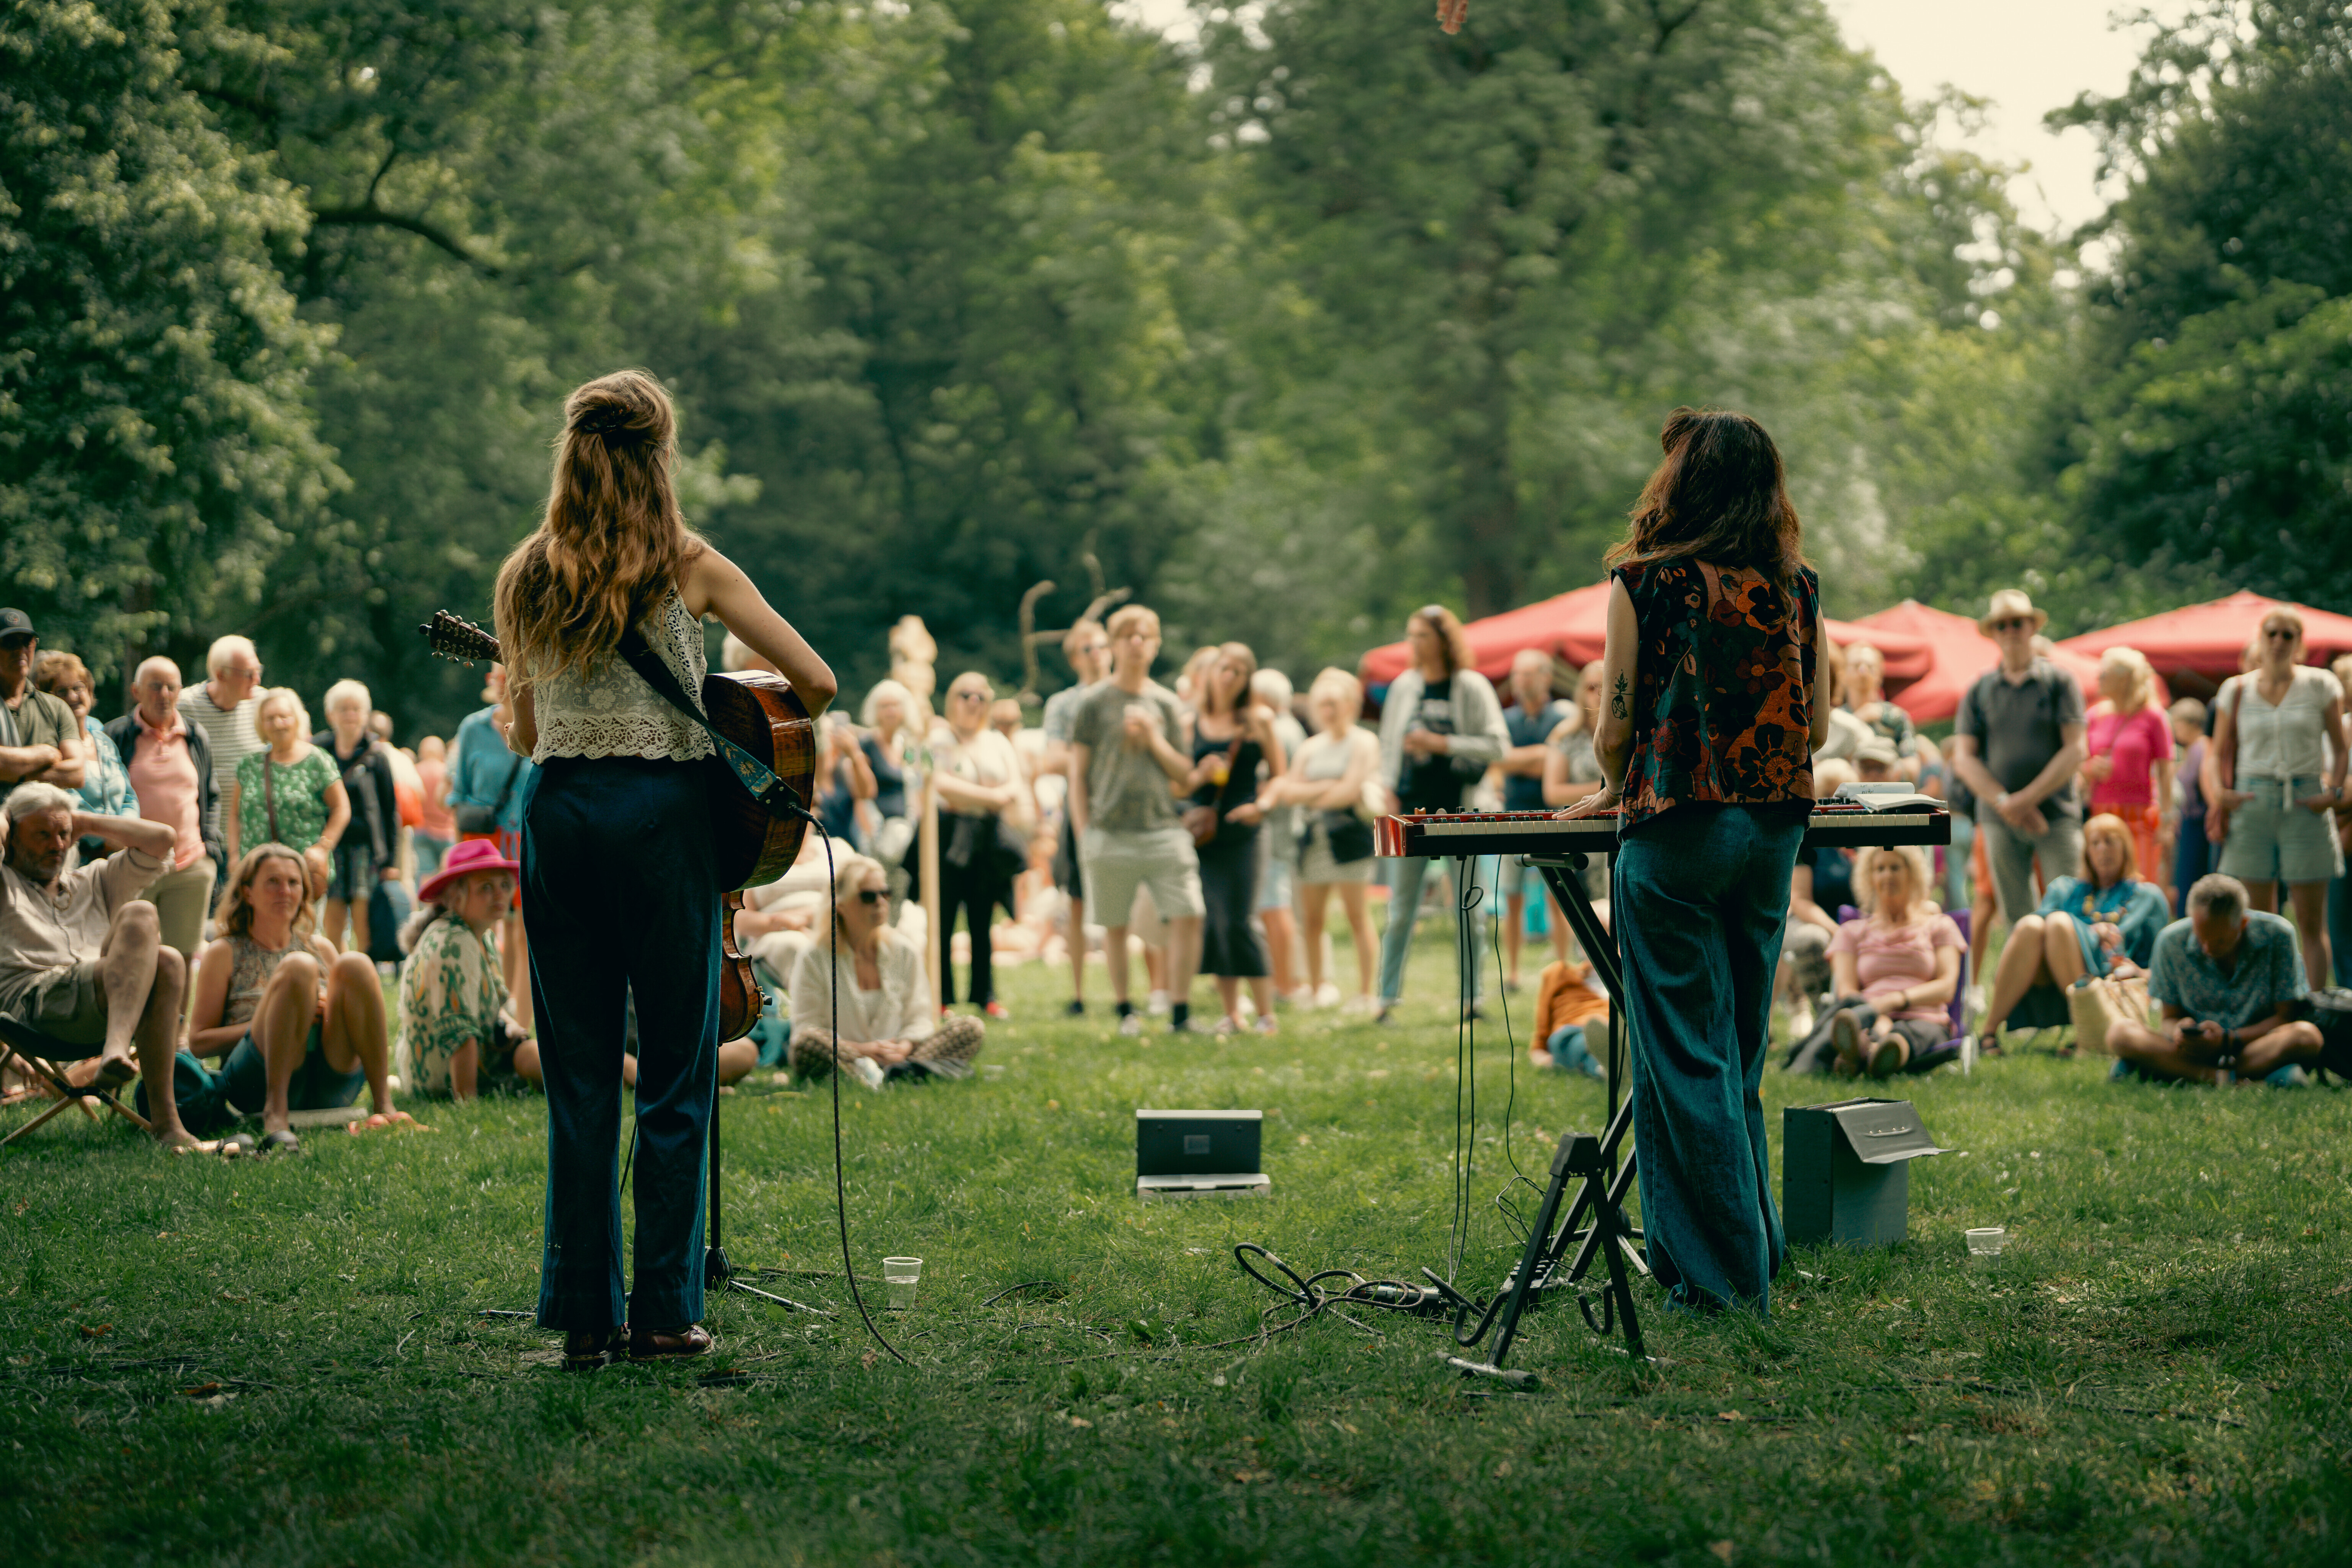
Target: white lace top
614, 714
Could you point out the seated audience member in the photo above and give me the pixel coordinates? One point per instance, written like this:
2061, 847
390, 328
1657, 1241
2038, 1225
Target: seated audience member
887, 1027
302, 1027
1876, 761
2227, 978
81, 960
453, 992
2105, 923
1572, 1025
1895, 970
1805, 974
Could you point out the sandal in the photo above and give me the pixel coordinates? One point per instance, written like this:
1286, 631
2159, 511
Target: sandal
586, 1350
669, 1344
280, 1143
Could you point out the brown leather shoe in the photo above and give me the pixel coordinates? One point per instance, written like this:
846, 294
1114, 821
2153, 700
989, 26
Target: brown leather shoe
668, 1344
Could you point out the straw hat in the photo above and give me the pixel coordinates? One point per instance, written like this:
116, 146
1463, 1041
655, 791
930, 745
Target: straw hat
2009, 602
472, 855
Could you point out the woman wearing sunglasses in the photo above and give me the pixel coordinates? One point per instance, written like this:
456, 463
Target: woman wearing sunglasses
2279, 728
884, 1026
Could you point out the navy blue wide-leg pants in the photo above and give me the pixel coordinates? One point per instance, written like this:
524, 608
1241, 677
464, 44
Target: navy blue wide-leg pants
620, 894
1699, 896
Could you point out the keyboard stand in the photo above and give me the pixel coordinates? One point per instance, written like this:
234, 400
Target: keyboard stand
1596, 1218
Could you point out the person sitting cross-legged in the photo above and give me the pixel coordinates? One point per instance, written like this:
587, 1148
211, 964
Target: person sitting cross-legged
2227, 977
301, 1024
886, 1026
80, 959
453, 993
2105, 923
1894, 971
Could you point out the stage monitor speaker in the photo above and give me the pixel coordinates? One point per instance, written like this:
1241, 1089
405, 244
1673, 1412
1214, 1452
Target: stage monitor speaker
1199, 1154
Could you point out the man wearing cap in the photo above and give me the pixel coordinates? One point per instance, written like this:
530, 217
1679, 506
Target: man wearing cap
2019, 745
40, 740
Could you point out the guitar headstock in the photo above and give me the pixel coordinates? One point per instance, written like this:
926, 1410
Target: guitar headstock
450, 637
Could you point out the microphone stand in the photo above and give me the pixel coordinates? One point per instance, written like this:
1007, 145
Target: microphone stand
718, 1275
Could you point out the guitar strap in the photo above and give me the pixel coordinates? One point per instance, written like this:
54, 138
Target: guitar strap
758, 781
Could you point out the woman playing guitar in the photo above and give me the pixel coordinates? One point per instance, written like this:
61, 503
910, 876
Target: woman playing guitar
621, 888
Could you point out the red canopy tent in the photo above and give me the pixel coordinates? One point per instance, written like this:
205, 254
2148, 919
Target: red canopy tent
1960, 653
1573, 628
2204, 640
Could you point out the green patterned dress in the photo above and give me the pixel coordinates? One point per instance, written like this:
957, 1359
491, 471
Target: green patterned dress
450, 992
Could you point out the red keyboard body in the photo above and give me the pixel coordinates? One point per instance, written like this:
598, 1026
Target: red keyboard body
1835, 823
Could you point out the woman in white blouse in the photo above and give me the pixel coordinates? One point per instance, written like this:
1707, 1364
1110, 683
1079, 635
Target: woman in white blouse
986, 817
2280, 726
860, 996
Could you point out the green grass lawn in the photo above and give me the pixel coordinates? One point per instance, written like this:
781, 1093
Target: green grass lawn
285, 1361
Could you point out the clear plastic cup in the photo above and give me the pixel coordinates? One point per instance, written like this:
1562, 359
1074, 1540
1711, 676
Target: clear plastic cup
901, 1276
1986, 1242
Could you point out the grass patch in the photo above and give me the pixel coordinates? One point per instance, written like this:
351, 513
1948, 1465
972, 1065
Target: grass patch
204, 1361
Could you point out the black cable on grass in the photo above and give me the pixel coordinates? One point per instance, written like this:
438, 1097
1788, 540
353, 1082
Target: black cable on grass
840, 1183
1467, 897
1509, 1212
1025, 1285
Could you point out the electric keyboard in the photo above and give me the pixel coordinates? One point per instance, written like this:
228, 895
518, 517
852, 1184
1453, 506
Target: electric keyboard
1834, 825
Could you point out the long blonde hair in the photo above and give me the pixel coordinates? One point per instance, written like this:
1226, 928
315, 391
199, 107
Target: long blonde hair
2135, 665
613, 542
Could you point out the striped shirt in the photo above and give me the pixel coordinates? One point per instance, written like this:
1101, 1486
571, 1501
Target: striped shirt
230, 733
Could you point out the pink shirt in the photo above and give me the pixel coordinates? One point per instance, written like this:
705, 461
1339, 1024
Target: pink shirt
1889, 959
164, 777
2137, 741
434, 778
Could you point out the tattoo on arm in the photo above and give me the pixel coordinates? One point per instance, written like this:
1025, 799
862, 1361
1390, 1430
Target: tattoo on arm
1617, 709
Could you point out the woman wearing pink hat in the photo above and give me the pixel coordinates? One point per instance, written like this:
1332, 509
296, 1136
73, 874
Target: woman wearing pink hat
452, 993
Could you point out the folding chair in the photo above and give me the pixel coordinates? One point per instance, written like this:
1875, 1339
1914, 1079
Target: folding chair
38, 1052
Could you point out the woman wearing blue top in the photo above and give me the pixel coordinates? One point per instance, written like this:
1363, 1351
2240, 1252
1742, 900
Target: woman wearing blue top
2105, 924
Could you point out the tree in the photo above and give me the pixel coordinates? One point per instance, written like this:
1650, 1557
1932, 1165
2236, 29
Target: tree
156, 446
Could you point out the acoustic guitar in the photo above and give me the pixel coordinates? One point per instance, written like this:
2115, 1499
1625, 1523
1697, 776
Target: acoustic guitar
761, 714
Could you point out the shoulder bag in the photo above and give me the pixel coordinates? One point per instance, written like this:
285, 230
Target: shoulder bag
1202, 821
471, 818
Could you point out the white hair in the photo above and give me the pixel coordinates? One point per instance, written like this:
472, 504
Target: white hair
734, 653
2217, 897
1272, 688
34, 800
218, 654
138, 676
883, 691
287, 695
346, 690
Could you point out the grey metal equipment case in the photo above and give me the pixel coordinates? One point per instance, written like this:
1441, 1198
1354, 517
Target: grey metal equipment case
1199, 1154
1846, 1170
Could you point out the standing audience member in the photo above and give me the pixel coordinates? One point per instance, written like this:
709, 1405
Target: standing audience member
303, 1027
288, 792
170, 766
2280, 727
453, 998
2130, 744
984, 811
2228, 981
1233, 738
82, 959
888, 744
1126, 753
437, 829
2104, 924
2194, 855
1865, 699
371, 852
1325, 781
1440, 729
488, 785
40, 742
1530, 719
2339, 891
1895, 970
226, 707
1277, 849
1089, 650
844, 784
106, 783
2021, 744
1571, 767
861, 1001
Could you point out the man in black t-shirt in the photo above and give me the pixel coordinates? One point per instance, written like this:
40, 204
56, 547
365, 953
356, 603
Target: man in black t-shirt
2021, 731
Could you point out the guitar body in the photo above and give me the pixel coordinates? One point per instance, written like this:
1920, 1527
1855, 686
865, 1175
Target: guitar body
761, 713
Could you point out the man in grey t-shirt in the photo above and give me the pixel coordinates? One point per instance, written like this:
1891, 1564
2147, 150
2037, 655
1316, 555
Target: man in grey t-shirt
2020, 734
1125, 763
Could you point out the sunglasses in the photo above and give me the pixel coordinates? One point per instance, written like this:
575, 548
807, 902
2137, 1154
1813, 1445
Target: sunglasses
970, 696
2288, 633
871, 895
2015, 623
